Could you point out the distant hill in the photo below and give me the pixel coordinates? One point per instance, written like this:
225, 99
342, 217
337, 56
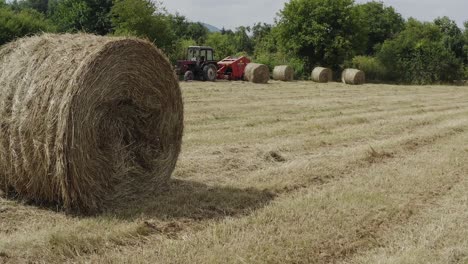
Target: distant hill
211, 28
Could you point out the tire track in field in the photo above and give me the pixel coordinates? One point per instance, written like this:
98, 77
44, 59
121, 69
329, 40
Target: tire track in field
236, 104
282, 127
356, 227
239, 118
410, 125
406, 146
321, 172
254, 163
335, 125
435, 234
348, 163
365, 233
306, 171
372, 229
354, 120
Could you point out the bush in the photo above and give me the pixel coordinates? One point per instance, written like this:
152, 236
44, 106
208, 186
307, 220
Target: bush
267, 59
91, 16
324, 32
418, 55
143, 18
222, 44
373, 68
180, 50
19, 24
275, 59
382, 22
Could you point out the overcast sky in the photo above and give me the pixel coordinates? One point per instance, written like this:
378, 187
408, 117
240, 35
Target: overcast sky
234, 13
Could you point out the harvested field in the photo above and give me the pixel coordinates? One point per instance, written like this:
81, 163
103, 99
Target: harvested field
295, 172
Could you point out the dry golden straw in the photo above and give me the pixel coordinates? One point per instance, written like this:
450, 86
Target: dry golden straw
353, 76
87, 120
283, 73
322, 75
257, 73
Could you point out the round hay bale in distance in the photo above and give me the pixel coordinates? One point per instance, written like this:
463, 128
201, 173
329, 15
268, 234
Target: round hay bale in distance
283, 73
322, 75
353, 76
257, 73
87, 120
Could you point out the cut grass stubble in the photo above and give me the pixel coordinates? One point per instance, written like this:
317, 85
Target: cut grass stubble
314, 187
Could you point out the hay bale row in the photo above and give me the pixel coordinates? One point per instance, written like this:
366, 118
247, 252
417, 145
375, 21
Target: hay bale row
257, 73
322, 75
353, 76
87, 121
283, 73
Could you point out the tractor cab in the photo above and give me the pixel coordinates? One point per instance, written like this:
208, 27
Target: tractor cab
200, 64
200, 54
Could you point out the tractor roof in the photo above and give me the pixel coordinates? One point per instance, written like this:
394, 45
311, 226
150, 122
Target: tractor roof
200, 47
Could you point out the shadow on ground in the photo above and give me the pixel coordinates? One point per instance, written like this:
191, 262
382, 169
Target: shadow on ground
181, 199
193, 200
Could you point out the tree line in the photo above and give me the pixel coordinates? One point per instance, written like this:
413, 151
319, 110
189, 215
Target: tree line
307, 33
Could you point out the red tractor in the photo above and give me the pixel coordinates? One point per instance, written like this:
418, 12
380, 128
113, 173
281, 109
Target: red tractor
199, 65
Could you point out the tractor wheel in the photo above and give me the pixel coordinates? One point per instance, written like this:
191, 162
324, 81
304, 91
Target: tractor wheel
209, 72
188, 76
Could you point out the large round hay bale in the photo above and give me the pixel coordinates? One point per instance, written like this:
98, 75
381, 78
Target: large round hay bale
322, 75
87, 121
283, 73
353, 76
257, 73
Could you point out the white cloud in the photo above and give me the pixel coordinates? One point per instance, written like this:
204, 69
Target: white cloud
232, 14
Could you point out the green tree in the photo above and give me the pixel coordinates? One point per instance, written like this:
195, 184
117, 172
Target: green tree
321, 32
419, 55
16, 24
372, 66
92, 16
260, 31
264, 38
38, 5
465, 50
71, 15
197, 32
183, 29
226, 31
242, 40
180, 50
265, 42
222, 44
452, 35
381, 23
465, 34
100, 21
142, 18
